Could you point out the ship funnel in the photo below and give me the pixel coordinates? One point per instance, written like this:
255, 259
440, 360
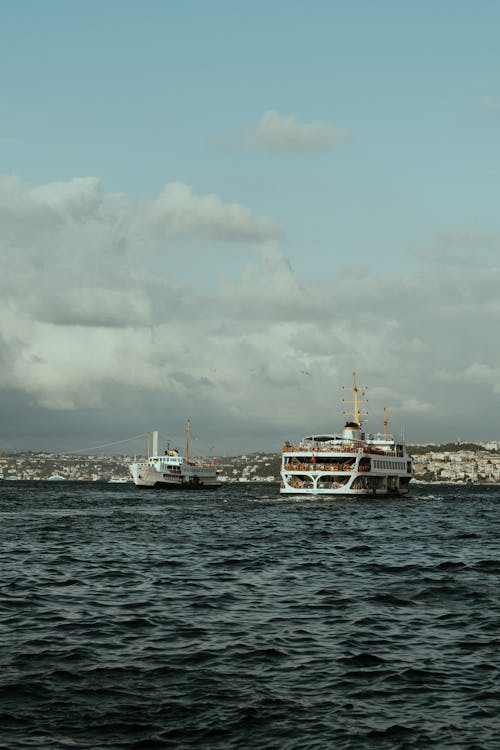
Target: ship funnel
155, 442
352, 431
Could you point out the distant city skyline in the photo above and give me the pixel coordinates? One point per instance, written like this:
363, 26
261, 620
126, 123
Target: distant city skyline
221, 210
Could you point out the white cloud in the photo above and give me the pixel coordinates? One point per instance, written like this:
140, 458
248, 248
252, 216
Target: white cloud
79, 198
276, 133
182, 213
93, 314
480, 373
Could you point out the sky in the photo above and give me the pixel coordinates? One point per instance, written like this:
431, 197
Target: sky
221, 210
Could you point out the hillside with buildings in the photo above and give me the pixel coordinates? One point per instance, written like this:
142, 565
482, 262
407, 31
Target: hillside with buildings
457, 463
453, 462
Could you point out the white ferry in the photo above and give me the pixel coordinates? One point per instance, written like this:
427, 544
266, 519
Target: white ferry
351, 463
172, 471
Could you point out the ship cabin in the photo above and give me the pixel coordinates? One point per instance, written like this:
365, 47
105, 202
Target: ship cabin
169, 460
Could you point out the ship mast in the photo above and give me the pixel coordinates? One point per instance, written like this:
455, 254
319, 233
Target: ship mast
385, 422
359, 393
188, 430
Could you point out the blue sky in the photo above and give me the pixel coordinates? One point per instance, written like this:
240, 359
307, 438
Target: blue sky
359, 143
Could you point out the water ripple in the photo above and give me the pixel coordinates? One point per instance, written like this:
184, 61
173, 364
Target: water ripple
246, 620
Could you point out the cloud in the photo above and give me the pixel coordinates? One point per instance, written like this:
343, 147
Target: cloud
276, 133
88, 289
97, 321
480, 373
93, 307
182, 213
77, 199
414, 406
463, 246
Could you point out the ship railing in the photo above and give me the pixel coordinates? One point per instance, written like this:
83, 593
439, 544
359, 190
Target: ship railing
351, 446
333, 448
320, 467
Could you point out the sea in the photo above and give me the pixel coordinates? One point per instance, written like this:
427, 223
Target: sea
238, 619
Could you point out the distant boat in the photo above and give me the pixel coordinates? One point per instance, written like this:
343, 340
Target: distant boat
351, 463
172, 471
119, 480
56, 478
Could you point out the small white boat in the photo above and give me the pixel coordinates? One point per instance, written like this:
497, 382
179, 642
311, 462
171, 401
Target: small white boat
172, 471
350, 463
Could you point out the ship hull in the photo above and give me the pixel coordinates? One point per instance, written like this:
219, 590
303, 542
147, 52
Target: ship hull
344, 492
149, 478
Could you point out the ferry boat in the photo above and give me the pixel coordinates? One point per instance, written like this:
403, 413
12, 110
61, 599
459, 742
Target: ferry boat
172, 471
350, 463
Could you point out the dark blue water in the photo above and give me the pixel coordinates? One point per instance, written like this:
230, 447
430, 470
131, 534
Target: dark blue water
134, 619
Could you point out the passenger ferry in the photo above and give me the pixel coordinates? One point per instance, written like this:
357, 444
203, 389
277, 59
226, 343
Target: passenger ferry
351, 463
172, 471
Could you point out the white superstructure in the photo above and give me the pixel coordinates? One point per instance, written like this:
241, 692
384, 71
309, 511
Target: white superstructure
350, 463
171, 470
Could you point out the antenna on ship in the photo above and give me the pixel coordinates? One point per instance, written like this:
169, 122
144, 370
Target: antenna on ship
359, 393
188, 430
385, 422
149, 445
